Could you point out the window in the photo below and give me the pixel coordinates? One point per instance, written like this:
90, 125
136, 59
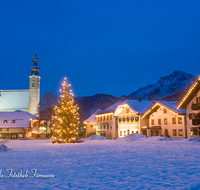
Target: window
91, 125
152, 122
174, 132
137, 132
107, 126
100, 126
97, 118
107, 117
145, 132
159, 121
156, 132
33, 84
13, 121
173, 120
152, 133
180, 132
132, 132
128, 132
7, 129
124, 133
120, 133
100, 118
164, 110
165, 121
123, 119
110, 126
104, 117
0, 129
136, 119
132, 119
127, 119
120, 120
180, 120
104, 127
190, 116
110, 117
5, 121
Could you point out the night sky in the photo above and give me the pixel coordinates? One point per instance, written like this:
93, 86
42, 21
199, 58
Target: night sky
112, 47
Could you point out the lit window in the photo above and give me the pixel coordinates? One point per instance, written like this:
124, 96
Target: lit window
120, 120
13, 121
180, 120
173, 120
124, 133
136, 119
174, 132
104, 117
100, 126
5, 121
165, 121
164, 110
120, 133
97, 118
110, 117
100, 118
107, 117
180, 132
123, 119
127, 119
132, 119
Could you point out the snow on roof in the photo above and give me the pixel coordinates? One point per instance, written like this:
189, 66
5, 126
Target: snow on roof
109, 109
21, 118
92, 117
172, 105
137, 106
14, 99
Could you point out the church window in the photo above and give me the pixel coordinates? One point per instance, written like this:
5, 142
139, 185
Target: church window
13, 121
33, 84
5, 121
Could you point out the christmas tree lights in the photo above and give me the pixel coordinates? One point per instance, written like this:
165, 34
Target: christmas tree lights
66, 120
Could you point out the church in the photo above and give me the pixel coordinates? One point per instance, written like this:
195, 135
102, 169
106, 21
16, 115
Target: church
18, 108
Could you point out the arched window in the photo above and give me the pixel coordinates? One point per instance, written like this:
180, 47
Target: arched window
5, 121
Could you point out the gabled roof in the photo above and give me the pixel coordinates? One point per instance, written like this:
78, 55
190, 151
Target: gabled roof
92, 118
138, 106
14, 99
189, 94
110, 109
21, 118
168, 105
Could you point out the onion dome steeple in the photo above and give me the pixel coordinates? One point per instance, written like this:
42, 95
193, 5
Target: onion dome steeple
35, 69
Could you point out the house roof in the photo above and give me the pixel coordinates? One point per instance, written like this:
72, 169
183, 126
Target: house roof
195, 87
21, 118
14, 99
138, 106
110, 109
92, 118
169, 105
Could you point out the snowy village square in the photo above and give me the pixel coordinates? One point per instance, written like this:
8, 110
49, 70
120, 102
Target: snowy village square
100, 94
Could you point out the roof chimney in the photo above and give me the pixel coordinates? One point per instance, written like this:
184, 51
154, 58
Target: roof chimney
139, 99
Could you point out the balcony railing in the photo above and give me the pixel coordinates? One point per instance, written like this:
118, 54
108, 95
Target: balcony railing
195, 121
195, 106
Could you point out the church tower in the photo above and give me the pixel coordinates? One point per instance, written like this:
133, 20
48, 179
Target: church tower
34, 87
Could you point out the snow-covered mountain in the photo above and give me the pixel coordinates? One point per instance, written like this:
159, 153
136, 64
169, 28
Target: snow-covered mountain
171, 87
172, 84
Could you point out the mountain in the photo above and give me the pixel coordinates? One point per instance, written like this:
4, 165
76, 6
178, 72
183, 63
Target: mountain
168, 88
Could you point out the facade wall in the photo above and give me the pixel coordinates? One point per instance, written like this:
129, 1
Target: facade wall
192, 130
90, 127
167, 123
106, 125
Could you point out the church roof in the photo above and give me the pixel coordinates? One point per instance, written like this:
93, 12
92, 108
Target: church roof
14, 99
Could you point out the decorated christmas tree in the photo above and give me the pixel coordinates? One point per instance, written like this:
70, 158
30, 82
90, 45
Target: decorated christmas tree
66, 120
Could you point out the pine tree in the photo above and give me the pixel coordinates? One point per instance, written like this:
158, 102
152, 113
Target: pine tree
66, 120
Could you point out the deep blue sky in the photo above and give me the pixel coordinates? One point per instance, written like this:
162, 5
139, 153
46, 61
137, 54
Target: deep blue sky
112, 47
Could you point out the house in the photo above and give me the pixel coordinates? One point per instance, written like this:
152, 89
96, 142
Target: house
106, 123
15, 125
165, 120
91, 124
191, 103
129, 116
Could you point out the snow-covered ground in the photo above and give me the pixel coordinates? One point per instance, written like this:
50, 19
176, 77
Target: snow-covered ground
128, 163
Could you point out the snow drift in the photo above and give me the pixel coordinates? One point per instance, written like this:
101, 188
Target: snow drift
133, 137
95, 137
4, 147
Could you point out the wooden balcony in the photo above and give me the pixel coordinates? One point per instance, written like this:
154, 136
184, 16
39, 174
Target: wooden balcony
196, 122
195, 106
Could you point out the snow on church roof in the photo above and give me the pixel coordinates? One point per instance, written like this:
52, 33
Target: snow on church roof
14, 99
